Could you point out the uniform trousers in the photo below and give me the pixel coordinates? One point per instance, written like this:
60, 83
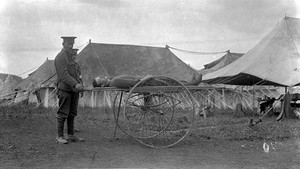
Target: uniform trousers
68, 103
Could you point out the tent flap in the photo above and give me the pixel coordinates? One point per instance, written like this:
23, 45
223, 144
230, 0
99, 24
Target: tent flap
275, 59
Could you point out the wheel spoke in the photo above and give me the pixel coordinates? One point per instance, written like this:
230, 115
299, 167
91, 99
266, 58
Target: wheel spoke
158, 118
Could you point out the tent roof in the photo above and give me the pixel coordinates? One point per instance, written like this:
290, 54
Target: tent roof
111, 60
37, 78
220, 63
3, 76
98, 59
275, 60
8, 85
224, 60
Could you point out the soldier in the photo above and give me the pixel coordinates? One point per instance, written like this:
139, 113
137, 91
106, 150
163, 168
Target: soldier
69, 84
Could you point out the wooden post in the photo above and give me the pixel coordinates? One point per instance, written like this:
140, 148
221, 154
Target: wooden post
253, 99
46, 100
223, 95
92, 100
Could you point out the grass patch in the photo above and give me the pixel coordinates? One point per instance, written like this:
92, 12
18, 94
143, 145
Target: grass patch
220, 126
20, 111
225, 126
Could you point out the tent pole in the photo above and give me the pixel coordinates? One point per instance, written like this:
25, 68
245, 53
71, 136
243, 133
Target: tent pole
223, 95
253, 99
92, 99
46, 97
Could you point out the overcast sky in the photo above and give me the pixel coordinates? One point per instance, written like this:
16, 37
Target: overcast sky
30, 30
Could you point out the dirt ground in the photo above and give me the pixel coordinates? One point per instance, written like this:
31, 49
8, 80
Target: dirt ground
27, 140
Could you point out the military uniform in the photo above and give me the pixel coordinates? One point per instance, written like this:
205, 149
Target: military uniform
68, 75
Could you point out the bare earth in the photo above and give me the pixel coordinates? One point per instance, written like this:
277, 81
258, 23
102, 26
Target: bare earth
28, 141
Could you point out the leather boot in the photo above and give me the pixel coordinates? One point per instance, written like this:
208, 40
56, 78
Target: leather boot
70, 123
60, 131
61, 140
71, 137
60, 126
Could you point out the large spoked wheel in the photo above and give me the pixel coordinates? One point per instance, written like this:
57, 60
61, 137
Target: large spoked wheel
158, 111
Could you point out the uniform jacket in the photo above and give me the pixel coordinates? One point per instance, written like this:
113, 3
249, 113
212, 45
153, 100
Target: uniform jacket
67, 70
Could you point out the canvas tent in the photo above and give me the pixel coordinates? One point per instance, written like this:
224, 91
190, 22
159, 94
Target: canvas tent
220, 63
7, 92
3, 76
38, 86
8, 85
98, 59
275, 60
38, 78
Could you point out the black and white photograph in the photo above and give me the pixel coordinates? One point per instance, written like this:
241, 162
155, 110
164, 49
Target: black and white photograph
150, 84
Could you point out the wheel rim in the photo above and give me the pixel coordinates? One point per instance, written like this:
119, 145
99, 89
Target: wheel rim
163, 123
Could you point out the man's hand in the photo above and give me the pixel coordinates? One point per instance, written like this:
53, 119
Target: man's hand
79, 87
